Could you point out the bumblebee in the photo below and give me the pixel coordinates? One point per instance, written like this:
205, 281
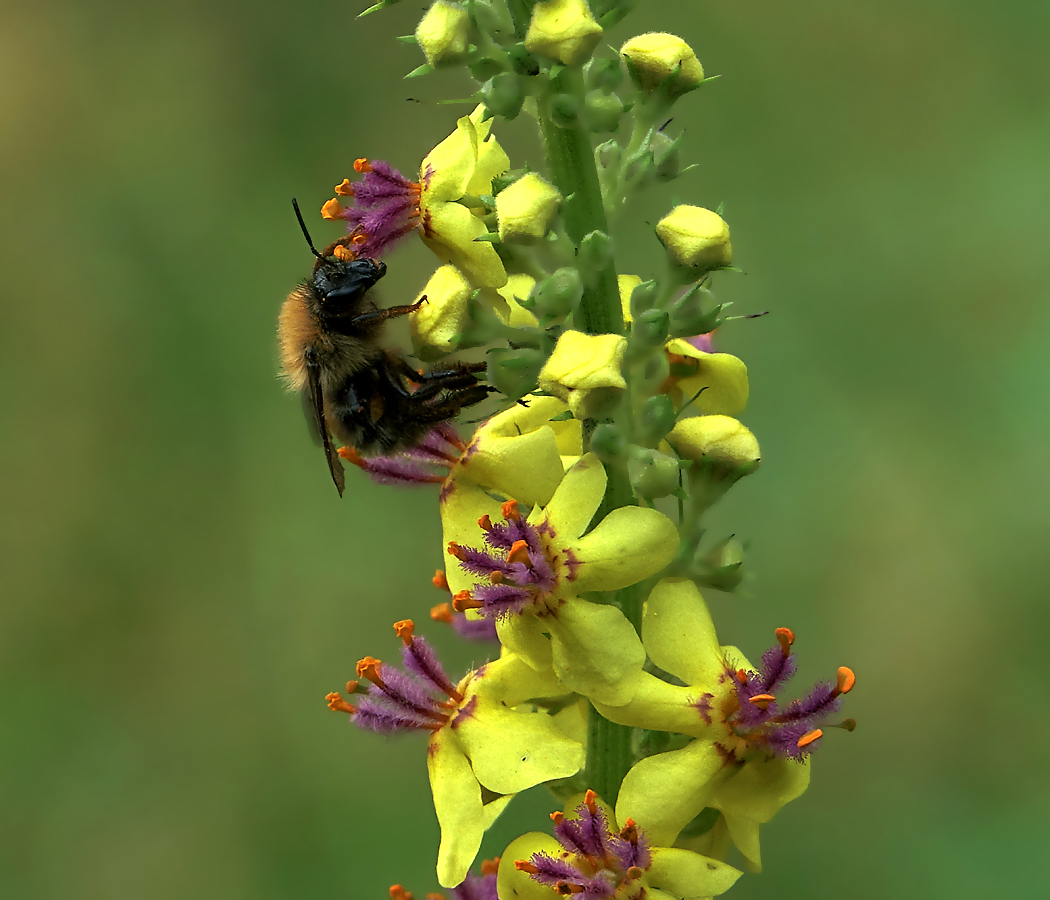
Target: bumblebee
365, 396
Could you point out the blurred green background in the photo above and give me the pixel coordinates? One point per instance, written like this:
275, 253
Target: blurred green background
181, 585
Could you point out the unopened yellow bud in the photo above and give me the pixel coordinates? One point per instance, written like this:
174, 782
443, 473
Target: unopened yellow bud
525, 209
715, 437
437, 322
696, 237
584, 370
656, 56
627, 284
563, 29
443, 32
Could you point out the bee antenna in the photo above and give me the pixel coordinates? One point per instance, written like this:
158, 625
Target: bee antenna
302, 225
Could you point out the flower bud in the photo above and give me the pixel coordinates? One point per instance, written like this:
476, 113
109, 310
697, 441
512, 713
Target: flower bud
503, 94
602, 112
525, 209
484, 68
584, 371
719, 438
608, 154
558, 293
662, 61
565, 110
524, 63
655, 419
438, 322
603, 74
665, 156
442, 33
514, 372
649, 330
654, 474
609, 444
643, 297
596, 252
563, 29
723, 566
696, 237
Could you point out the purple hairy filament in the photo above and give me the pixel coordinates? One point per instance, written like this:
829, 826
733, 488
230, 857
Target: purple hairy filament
428, 462
422, 698
520, 567
599, 863
385, 207
754, 719
473, 887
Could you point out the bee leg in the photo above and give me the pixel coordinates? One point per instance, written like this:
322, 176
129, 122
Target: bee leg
381, 315
440, 409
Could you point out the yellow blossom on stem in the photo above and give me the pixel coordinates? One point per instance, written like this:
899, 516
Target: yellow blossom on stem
719, 438
525, 209
696, 237
443, 31
720, 379
656, 57
584, 370
563, 29
528, 573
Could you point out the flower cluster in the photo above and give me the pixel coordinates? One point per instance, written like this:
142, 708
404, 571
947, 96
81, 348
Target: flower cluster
574, 516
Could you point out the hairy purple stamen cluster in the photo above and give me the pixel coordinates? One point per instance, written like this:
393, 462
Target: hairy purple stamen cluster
428, 462
778, 730
477, 887
511, 584
475, 629
414, 700
385, 208
603, 861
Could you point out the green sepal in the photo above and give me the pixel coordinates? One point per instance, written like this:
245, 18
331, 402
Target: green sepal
405, 38
419, 71
382, 4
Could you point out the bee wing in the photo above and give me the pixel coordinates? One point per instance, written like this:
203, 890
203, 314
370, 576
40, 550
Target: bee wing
313, 406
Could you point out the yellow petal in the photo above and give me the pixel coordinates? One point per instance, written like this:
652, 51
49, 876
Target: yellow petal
510, 680
656, 56
724, 376
442, 32
513, 884
689, 875
582, 364
628, 545
518, 286
665, 792
526, 637
447, 169
512, 751
679, 635
437, 323
450, 232
462, 504
525, 208
716, 437
658, 706
575, 501
695, 236
457, 802
526, 467
596, 651
627, 284
492, 161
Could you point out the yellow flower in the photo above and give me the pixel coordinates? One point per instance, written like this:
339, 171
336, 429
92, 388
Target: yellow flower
584, 370
463, 164
696, 237
563, 29
443, 31
719, 438
721, 377
525, 209
530, 575
437, 323
656, 56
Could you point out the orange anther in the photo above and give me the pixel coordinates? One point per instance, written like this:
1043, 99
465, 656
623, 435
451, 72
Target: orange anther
435, 897
343, 253
464, 600
490, 866
359, 238
523, 865
485, 523
351, 687
519, 553
785, 637
848, 724
629, 832
762, 701
845, 681
741, 676
332, 210
399, 893
351, 456
404, 630
440, 580
455, 550
557, 817
634, 873
510, 510
338, 704
590, 800
369, 668
362, 165
344, 188
495, 578
442, 613
809, 737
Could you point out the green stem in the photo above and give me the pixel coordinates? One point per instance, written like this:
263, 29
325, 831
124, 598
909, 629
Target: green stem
570, 159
